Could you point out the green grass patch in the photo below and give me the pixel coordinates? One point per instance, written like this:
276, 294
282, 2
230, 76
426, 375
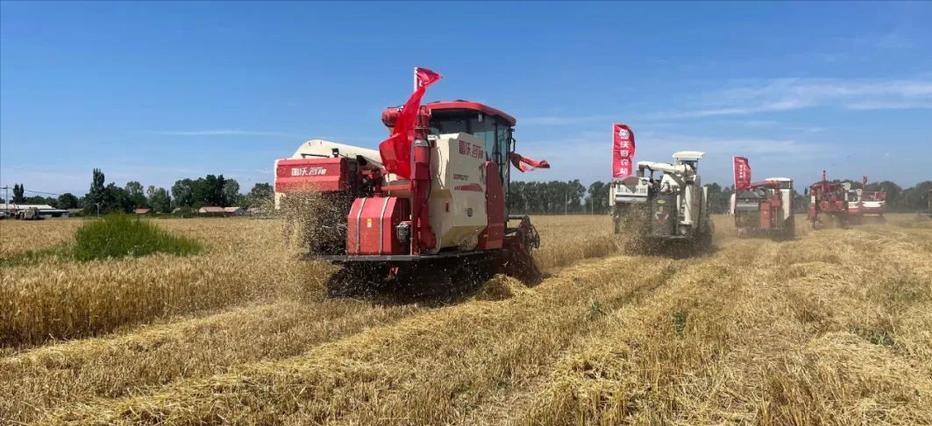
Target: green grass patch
116, 236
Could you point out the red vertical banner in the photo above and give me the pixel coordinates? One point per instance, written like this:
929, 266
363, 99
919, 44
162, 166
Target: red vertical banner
622, 150
742, 174
396, 150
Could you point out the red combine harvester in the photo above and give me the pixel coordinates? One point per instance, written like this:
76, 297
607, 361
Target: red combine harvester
867, 205
848, 205
762, 208
828, 198
433, 198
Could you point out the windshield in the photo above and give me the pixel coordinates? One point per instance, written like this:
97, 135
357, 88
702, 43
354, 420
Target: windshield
493, 132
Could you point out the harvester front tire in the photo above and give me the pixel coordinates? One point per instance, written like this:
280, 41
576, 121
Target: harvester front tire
789, 232
354, 279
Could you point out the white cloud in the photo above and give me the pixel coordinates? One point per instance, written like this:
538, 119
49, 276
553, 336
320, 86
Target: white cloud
224, 132
558, 120
786, 94
875, 105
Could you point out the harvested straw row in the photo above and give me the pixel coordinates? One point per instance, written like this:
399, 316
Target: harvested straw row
794, 351
81, 370
420, 370
636, 368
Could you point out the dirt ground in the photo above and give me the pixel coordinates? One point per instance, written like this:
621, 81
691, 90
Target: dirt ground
834, 327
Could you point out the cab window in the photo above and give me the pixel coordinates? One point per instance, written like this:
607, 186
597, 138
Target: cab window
494, 134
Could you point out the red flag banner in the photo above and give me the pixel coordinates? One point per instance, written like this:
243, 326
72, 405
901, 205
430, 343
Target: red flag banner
396, 150
742, 174
526, 164
622, 150
425, 77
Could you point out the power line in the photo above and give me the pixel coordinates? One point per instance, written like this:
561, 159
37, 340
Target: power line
40, 192
6, 190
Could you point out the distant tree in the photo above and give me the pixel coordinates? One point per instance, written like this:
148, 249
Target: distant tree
217, 195
199, 193
95, 199
554, 197
801, 201
515, 201
916, 198
135, 194
158, 199
183, 193
116, 199
19, 194
208, 191
598, 197
893, 192
574, 194
231, 193
67, 201
260, 195
719, 198
38, 199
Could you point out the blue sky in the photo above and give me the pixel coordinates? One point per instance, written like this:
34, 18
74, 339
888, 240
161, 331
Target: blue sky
164, 90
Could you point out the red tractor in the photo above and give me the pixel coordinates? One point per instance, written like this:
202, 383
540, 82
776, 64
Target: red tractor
762, 208
848, 205
436, 205
867, 205
828, 198
765, 208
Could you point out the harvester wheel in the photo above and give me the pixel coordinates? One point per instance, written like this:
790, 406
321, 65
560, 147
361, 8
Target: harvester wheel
841, 222
354, 279
789, 230
704, 240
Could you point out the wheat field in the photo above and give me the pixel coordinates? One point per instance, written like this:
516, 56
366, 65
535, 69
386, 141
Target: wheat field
834, 327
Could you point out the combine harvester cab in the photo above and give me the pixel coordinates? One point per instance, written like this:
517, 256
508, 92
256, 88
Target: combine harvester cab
663, 202
436, 206
828, 199
762, 208
840, 200
765, 208
867, 206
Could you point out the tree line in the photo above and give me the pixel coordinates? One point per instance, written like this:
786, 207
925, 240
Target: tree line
553, 197
186, 194
571, 197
